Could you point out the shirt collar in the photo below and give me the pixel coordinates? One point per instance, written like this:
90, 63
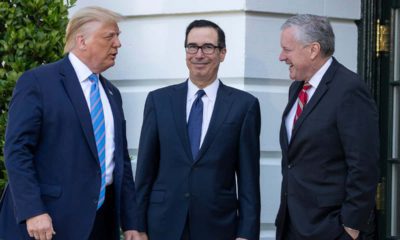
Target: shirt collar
81, 70
211, 90
316, 79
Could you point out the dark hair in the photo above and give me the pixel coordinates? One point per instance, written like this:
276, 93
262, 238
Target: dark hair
205, 23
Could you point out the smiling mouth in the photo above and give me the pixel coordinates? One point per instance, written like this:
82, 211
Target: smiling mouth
200, 63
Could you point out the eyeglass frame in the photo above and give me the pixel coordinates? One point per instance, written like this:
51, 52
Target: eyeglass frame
201, 47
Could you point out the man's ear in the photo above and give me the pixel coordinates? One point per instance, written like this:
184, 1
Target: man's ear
315, 49
222, 54
80, 42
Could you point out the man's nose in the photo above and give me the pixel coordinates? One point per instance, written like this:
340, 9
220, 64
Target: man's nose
282, 56
199, 53
117, 43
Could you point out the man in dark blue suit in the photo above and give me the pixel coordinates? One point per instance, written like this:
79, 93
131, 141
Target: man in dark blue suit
329, 139
66, 151
197, 174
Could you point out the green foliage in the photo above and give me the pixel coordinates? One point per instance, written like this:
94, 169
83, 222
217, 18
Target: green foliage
31, 33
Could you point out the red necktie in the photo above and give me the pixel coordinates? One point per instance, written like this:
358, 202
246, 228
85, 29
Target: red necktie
303, 98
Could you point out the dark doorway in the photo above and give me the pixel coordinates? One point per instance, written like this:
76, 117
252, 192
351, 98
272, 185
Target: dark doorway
379, 64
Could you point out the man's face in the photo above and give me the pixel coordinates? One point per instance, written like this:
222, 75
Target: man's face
296, 55
203, 68
102, 45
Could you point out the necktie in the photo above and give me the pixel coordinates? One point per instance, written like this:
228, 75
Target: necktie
195, 123
97, 115
303, 98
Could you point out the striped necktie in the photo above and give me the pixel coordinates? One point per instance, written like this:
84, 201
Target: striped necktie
303, 98
97, 115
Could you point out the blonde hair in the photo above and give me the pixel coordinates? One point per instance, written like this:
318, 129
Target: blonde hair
80, 20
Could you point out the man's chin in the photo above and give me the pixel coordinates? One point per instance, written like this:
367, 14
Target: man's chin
110, 64
197, 74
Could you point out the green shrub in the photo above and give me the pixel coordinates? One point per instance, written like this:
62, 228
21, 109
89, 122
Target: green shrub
31, 33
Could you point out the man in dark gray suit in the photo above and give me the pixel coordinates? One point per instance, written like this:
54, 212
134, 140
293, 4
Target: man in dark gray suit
198, 163
329, 139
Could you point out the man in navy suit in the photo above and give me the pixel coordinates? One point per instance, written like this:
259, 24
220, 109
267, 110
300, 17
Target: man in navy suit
197, 174
56, 181
329, 139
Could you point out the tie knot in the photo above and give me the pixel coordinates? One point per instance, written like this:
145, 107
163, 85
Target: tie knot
200, 93
306, 86
93, 78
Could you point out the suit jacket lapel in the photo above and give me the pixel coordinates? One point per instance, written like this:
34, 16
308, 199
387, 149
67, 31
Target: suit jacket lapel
292, 99
318, 94
178, 102
320, 91
222, 106
75, 93
115, 113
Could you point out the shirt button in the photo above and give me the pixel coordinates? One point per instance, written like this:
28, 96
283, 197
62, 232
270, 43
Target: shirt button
290, 166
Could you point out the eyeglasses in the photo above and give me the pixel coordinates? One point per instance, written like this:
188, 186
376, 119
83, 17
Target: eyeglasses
206, 48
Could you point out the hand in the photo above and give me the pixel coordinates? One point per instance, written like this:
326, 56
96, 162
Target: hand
40, 227
143, 236
132, 235
352, 232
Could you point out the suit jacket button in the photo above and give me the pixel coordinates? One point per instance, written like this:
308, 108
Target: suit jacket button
290, 165
187, 195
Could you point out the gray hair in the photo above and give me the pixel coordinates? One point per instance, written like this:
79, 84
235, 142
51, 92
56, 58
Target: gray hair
312, 28
80, 20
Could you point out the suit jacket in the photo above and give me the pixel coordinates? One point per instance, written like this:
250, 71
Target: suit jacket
330, 165
171, 185
51, 156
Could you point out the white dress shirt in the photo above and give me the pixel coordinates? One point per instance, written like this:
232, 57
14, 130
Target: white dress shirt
83, 72
208, 103
314, 82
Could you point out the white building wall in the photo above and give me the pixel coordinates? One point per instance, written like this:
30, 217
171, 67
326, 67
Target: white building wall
153, 56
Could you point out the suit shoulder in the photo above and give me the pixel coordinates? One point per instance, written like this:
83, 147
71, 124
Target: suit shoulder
43, 73
167, 90
48, 68
349, 78
347, 72
241, 94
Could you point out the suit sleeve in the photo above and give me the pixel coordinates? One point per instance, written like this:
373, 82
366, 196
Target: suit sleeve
22, 138
359, 133
147, 163
248, 175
